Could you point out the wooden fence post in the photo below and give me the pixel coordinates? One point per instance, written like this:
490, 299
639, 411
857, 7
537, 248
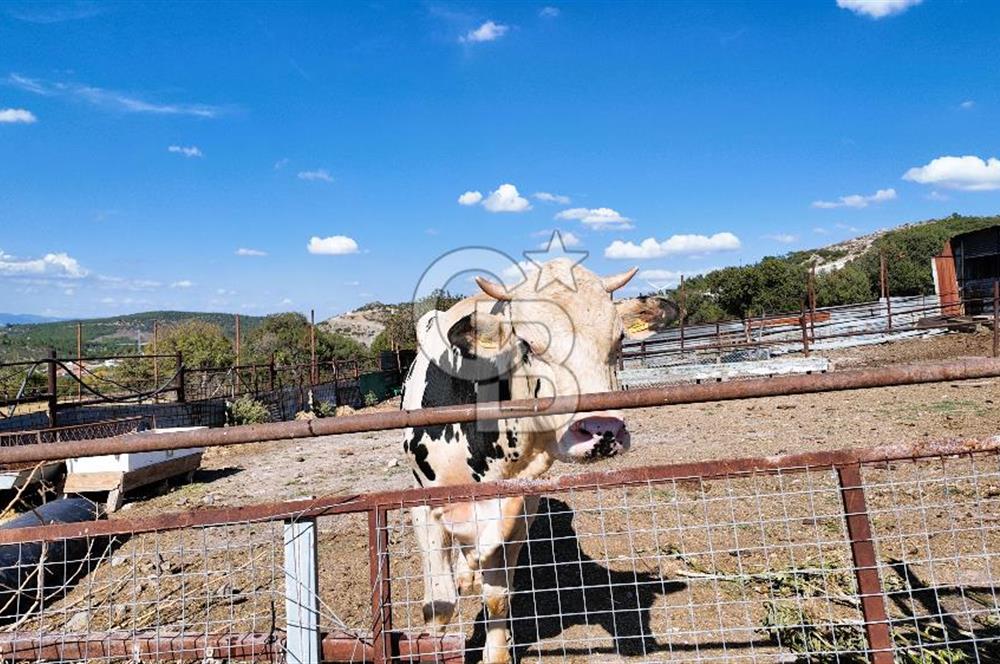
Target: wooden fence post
271, 374
53, 390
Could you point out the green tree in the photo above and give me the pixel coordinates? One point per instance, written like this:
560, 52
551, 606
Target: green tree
286, 337
202, 345
848, 285
400, 330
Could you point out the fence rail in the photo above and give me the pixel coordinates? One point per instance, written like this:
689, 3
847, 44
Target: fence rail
850, 555
807, 330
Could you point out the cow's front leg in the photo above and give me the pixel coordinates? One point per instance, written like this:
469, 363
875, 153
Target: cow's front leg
498, 576
435, 544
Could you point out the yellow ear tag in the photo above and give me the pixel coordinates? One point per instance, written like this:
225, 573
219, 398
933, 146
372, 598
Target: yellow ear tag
482, 343
638, 326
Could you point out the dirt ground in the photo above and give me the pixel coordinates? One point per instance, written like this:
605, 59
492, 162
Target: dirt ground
678, 571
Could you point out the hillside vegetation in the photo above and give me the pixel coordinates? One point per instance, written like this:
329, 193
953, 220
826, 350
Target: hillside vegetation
116, 335
847, 272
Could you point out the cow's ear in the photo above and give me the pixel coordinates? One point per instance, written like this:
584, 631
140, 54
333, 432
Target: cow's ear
478, 334
643, 316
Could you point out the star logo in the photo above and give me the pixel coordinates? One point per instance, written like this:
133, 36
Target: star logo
563, 273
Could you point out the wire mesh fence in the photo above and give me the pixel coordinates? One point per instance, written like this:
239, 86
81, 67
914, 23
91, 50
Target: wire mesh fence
747, 560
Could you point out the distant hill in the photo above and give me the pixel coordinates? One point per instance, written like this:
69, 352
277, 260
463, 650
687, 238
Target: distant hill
104, 336
362, 324
847, 272
20, 319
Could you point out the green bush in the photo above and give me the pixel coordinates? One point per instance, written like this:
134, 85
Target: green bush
246, 410
324, 409
371, 399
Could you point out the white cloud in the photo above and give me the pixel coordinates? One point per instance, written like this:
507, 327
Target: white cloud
352, 284
50, 265
552, 198
968, 173
285, 302
597, 218
335, 245
319, 175
470, 198
967, 104
187, 151
672, 246
569, 239
281, 163
848, 227
487, 32
782, 238
821, 231
936, 196
506, 199
243, 251
183, 283
111, 100
877, 8
549, 12
16, 116
857, 200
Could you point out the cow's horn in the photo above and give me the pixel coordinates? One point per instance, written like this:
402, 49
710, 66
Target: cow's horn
615, 281
494, 290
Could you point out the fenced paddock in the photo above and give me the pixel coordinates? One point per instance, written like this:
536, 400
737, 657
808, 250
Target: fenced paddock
888, 554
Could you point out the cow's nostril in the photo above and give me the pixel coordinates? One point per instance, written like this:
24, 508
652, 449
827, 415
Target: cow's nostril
607, 437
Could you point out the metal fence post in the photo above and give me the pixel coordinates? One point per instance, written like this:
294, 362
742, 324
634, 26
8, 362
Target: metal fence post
996, 317
683, 311
53, 390
180, 378
812, 302
378, 564
859, 531
301, 592
805, 331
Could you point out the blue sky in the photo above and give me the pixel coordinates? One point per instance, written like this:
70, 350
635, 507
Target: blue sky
144, 146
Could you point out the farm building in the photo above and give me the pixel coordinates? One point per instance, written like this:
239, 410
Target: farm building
967, 268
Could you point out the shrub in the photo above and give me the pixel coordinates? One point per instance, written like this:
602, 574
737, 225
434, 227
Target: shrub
371, 399
324, 409
246, 410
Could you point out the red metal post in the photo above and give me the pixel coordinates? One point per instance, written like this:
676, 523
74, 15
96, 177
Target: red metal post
884, 276
812, 302
996, 317
180, 378
859, 530
805, 331
312, 347
378, 565
271, 373
156, 361
53, 390
79, 361
683, 312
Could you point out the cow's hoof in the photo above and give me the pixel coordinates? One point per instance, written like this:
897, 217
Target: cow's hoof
469, 583
437, 615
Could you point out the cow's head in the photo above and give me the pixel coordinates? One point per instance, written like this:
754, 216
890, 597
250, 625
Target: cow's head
559, 333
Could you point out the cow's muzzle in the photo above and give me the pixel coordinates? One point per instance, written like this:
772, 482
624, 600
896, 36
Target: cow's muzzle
595, 436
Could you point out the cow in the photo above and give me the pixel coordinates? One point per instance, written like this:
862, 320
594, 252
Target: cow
557, 333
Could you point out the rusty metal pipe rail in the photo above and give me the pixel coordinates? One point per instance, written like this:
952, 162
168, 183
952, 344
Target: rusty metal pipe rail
905, 374
402, 498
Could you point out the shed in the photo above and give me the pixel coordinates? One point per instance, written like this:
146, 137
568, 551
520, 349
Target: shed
966, 269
